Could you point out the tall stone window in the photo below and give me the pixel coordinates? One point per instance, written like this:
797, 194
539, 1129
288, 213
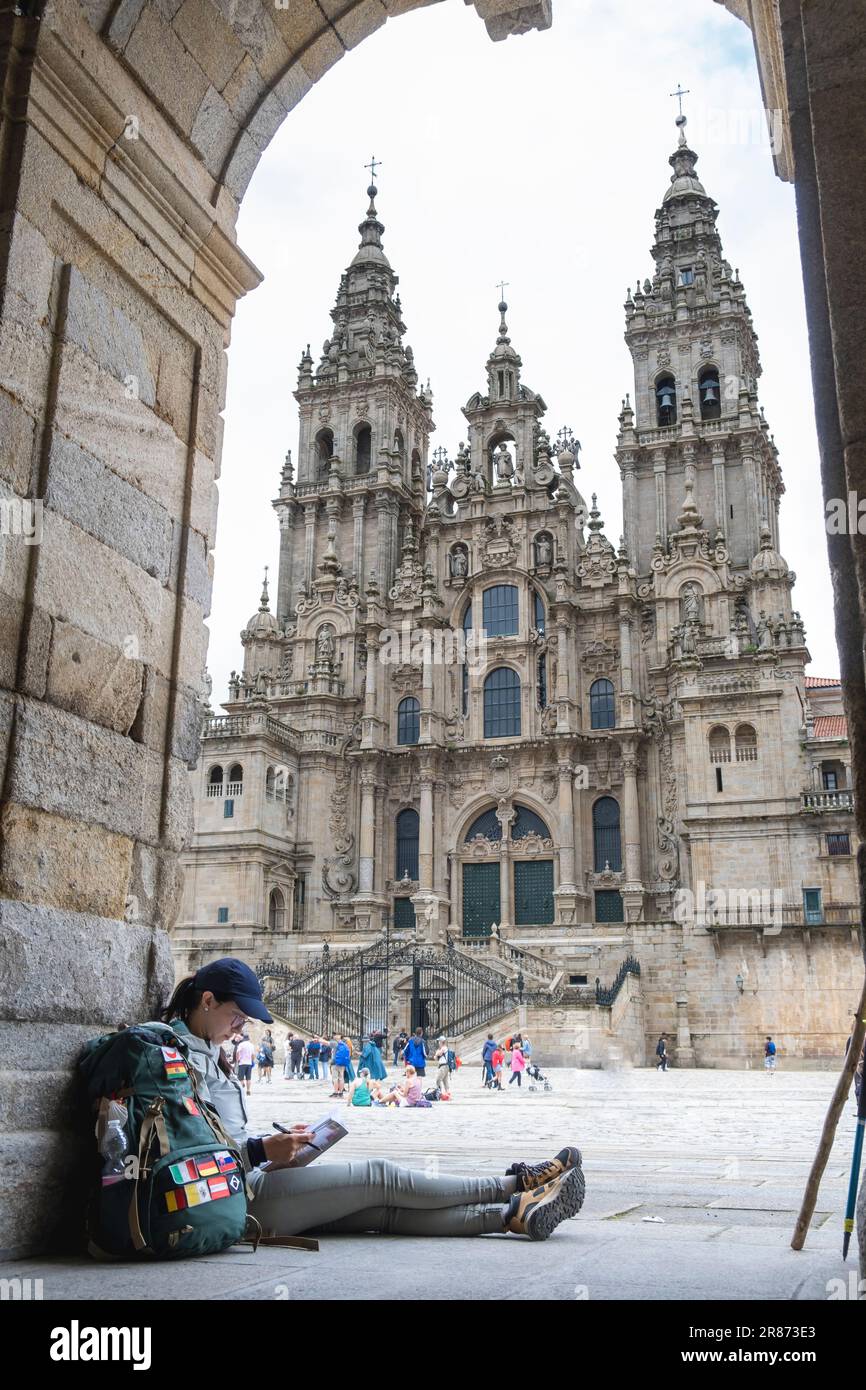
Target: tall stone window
666, 401
606, 838
602, 705
709, 394
542, 682
236, 780
408, 720
363, 448
720, 744
464, 678
501, 611
276, 910
538, 613
299, 903
215, 781
502, 704
408, 824
324, 453
746, 743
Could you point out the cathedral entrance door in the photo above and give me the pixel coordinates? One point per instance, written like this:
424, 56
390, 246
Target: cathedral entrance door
480, 898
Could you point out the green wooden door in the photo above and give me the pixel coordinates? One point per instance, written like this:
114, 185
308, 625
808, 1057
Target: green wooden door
480, 898
533, 892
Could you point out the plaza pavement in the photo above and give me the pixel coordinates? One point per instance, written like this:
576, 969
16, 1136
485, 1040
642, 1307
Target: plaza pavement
694, 1179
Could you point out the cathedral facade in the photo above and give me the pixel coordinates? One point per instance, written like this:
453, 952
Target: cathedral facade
466, 713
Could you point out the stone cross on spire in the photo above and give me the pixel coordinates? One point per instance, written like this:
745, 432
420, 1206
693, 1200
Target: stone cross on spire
679, 94
372, 167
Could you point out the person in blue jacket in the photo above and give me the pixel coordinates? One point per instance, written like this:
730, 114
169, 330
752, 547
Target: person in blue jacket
415, 1052
342, 1060
487, 1052
371, 1058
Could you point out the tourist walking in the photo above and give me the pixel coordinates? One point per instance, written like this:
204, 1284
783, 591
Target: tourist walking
769, 1055
661, 1054
487, 1052
287, 1056
371, 1059
447, 1061
365, 1195
496, 1062
526, 1049
244, 1061
415, 1052
398, 1044
518, 1065
266, 1060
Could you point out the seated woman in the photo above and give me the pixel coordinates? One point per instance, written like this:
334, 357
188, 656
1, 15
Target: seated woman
358, 1092
362, 1194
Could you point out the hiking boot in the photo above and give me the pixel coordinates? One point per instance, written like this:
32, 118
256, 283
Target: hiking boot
537, 1213
532, 1175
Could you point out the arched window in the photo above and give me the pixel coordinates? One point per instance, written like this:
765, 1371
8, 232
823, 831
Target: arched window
236, 780
270, 785
363, 448
276, 910
408, 720
602, 705
324, 452
215, 781
487, 824
538, 613
501, 611
746, 743
467, 630
606, 843
720, 744
666, 401
526, 822
406, 863
502, 704
709, 394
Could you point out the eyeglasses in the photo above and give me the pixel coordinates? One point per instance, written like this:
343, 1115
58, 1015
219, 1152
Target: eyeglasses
238, 1021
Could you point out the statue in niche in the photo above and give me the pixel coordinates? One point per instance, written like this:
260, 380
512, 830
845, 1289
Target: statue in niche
325, 645
504, 464
459, 563
690, 604
543, 551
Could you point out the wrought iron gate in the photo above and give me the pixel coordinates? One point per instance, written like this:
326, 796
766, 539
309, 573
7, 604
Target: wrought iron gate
448, 994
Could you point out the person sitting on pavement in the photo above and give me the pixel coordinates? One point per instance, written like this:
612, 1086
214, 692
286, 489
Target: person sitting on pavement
358, 1091
364, 1195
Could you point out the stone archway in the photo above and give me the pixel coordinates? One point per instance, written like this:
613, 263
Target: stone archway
129, 131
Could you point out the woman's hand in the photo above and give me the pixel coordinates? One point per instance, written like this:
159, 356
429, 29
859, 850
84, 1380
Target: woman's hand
281, 1150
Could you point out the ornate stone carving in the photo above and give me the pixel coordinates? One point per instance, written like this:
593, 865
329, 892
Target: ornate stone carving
501, 538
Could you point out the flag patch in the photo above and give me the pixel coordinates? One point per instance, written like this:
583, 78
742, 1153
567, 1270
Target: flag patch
183, 1172
234, 1183
190, 1105
225, 1162
218, 1188
171, 1054
175, 1070
176, 1199
196, 1193
207, 1167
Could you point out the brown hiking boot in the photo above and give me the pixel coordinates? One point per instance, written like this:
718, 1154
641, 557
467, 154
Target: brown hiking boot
532, 1175
537, 1213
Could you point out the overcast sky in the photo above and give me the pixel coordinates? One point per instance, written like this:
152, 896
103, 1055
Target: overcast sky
540, 161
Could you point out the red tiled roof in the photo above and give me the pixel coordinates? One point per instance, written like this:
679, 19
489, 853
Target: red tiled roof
831, 726
814, 682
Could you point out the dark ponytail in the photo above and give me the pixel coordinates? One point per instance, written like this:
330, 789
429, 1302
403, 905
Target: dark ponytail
181, 1004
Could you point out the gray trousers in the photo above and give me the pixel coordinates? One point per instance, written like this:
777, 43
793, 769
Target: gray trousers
375, 1195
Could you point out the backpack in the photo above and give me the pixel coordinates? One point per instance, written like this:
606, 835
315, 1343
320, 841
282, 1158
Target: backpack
168, 1181
451, 1060
433, 1094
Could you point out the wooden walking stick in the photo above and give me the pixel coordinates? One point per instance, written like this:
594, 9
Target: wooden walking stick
828, 1134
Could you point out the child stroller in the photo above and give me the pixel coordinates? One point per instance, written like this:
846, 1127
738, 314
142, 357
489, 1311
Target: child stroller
537, 1082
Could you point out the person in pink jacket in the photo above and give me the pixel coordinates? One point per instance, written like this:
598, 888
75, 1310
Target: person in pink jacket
518, 1062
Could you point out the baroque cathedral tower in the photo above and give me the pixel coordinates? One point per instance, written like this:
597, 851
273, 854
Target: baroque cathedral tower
473, 718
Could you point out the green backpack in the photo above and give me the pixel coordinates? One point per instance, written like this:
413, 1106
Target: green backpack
169, 1181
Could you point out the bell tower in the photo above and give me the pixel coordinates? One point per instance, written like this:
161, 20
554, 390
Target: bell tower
695, 419
365, 427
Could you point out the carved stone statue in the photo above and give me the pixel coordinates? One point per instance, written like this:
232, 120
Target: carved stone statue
504, 464
543, 551
459, 563
691, 604
325, 646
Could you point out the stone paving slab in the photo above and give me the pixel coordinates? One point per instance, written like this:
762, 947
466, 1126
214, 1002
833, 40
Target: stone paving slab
721, 1157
